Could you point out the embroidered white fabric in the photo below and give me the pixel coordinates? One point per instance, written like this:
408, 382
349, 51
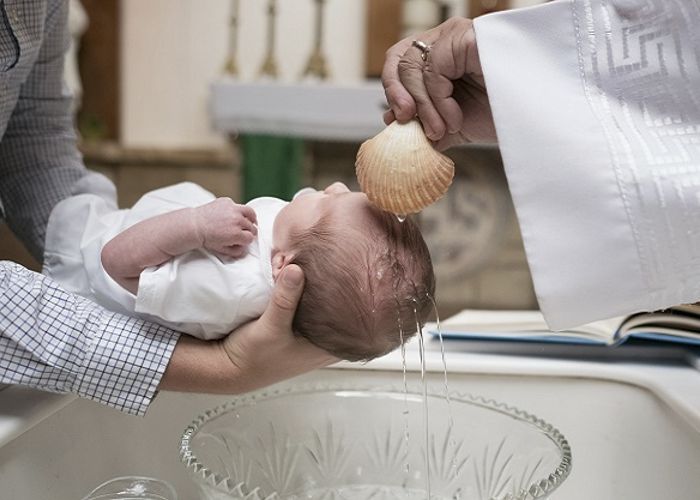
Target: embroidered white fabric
640, 69
597, 109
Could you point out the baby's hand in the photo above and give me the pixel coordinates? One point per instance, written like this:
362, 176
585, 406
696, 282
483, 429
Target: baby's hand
225, 227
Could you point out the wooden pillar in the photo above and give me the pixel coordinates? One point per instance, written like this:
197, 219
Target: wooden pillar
383, 31
99, 70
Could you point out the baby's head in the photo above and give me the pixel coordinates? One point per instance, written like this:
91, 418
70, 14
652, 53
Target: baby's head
369, 278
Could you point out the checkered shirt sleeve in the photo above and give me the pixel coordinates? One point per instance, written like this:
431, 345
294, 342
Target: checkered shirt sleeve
49, 338
59, 342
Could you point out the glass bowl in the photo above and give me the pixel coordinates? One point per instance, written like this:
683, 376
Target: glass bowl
133, 488
318, 442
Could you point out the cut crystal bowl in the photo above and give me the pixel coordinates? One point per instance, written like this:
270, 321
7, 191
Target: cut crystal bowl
327, 442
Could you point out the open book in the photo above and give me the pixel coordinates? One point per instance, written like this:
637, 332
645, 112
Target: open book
679, 324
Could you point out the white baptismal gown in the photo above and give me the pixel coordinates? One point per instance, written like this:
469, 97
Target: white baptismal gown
199, 293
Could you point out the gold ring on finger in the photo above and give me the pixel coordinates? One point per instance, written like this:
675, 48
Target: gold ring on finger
423, 47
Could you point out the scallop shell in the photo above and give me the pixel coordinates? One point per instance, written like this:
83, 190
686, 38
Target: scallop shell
400, 171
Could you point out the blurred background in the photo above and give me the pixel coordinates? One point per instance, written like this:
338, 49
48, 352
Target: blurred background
262, 97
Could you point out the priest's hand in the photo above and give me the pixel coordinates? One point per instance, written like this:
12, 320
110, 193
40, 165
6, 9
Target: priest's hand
442, 83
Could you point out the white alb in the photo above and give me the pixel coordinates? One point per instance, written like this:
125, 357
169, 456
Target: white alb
597, 110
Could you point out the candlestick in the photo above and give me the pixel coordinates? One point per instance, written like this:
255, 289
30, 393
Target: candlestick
231, 66
317, 67
269, 67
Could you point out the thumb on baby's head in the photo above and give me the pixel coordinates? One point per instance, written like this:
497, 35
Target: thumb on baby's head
280, 311
293, 277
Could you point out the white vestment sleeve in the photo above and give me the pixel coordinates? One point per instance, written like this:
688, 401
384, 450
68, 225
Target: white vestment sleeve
597, 111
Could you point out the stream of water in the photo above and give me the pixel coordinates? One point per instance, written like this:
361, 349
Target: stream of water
426, 423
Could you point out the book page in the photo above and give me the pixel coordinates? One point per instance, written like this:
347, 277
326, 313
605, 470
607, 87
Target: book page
662, 322
520, 324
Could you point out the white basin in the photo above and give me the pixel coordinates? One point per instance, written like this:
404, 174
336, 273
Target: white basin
634, 429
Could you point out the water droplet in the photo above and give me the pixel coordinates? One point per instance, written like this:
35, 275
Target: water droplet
401, 217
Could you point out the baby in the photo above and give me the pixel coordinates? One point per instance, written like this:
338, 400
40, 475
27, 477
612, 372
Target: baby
205, 265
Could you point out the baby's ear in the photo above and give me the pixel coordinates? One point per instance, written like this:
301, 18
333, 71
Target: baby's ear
280, 259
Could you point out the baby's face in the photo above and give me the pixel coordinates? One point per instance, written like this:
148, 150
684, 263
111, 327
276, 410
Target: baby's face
347, 208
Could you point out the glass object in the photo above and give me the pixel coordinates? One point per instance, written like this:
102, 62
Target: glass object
133, 488
346, 441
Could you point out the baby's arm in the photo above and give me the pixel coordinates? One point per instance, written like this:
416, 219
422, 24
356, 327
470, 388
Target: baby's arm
220, 226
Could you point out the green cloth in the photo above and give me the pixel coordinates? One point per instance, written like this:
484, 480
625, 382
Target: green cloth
272, 166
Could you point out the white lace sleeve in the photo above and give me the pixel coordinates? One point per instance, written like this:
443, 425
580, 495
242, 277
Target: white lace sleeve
597, 109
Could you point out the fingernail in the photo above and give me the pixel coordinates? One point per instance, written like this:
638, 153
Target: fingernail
292, 277
429, 132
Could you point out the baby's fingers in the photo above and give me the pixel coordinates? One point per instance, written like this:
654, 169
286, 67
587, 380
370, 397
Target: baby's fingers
248, 213
242, 238
235, 251
246, 225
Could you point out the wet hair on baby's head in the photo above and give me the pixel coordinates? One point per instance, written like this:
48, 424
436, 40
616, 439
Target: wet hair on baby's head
367, 291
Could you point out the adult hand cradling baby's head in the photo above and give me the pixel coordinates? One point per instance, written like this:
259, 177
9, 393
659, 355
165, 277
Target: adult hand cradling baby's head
266, 350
